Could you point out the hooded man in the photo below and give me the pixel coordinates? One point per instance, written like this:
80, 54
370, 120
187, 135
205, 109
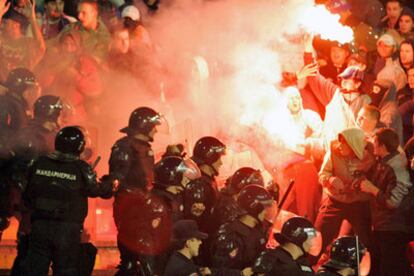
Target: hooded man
344, 165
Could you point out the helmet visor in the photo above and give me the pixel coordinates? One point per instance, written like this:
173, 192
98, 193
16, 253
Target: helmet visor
160, 124
190, 170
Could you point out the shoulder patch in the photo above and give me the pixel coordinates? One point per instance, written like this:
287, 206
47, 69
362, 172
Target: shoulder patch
306, 268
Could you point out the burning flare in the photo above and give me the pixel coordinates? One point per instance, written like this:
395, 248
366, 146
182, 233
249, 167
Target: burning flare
317, 19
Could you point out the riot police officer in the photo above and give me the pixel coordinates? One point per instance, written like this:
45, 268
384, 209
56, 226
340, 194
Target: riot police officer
170, 174
227, 209
38, 137
132, 164
58, 188
34, 140
132, 158
22, 90
163, 206
289, 258
345, 256
201, 194
238, 243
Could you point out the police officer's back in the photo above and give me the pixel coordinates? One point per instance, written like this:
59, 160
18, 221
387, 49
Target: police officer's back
170, 174
166, 208
132, 164
289, 258
132, 158
227, 209
201, 194
32, 141
237, 244
58, 188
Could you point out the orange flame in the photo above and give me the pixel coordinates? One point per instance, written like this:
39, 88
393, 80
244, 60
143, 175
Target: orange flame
319, 20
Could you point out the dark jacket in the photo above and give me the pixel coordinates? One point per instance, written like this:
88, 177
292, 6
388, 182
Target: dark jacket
13, 116
226, 209
34, 140
201, 190
179, 265
279, 262
236, 246
132, 163
173, 201
391, 176
406, 108
59, 186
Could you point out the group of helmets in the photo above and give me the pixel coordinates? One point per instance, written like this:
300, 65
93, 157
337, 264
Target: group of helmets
247, 182
46, 107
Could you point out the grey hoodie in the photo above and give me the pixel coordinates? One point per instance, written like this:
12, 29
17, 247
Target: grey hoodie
348, 169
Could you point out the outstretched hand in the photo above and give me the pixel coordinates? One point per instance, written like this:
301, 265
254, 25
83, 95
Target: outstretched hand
30, 9
307, 71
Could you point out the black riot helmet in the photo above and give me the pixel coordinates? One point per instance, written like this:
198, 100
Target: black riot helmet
169, 171
142, 120
208, 150
20, 79
296, 230
253, 199
47, 108
70, 140
243, 177
344, 253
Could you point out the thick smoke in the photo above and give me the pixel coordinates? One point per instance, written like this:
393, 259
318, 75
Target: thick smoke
218, 64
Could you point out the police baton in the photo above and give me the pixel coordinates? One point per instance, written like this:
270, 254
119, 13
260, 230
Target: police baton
96, 162
357, 255
284, 197
279, 208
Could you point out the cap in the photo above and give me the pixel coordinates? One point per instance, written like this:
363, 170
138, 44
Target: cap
131, 12
187, 229
387, 40
352, 72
